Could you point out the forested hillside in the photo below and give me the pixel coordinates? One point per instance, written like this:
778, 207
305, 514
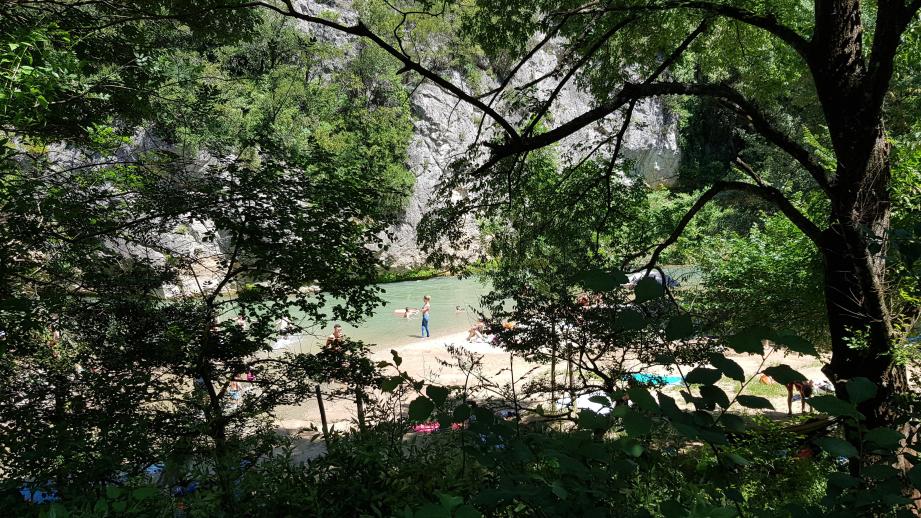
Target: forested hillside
697, 225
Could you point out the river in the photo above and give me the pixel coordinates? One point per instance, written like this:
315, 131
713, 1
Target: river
384, 329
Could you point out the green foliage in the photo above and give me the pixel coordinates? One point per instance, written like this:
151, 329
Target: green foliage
117, 333
37, 68
412, 274
772, 276
298, 166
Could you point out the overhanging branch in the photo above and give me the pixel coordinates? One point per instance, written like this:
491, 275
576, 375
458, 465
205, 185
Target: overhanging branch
767, 193
362, 30
656, 89
767, 22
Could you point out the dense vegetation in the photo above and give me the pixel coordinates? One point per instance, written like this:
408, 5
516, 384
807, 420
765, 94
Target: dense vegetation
177, 178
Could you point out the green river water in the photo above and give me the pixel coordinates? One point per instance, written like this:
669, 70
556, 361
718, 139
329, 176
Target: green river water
384, 329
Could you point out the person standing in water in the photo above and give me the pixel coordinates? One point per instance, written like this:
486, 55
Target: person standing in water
426, 306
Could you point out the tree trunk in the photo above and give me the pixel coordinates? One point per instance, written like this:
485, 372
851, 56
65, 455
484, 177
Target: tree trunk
861, 344
322, 416
853, 249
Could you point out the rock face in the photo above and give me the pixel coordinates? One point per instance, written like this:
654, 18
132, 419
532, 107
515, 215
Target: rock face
444, 129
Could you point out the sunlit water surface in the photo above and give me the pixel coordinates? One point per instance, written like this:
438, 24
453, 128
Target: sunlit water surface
385, 329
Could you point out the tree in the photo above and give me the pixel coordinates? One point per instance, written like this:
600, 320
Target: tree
156, 185
838, 57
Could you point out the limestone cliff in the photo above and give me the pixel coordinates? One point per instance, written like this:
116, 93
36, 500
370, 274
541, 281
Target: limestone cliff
444, 130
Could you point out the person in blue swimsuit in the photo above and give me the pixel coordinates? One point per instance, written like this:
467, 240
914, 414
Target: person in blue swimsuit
426, 306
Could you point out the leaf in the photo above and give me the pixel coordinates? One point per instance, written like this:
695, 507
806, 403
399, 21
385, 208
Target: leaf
600, 280
432, 511
601, 400
831, 405
728, 367
396, 357
437, 394
784, 374
589, 420
733, 423
750, 340
883, 438
914, 475
643, 399
648, 289
391, 384
144, 493
712, 436
669, 408
636, 424
557, 489
631, 447
679, 328
796, 344
461, 413
687, 430
837, 446
737, 459
630, 320
860, 390
421, 408
703, 376
842, 480
449, 501
754, 402
715, 394
467, 511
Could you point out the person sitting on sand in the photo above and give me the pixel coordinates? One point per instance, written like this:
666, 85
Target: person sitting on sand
475, 333
335, 339
805, 391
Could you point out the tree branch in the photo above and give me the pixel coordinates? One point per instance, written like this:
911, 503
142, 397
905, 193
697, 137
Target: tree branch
650, 89
892, 19
767, 22
614, 29
767, 193
362, 30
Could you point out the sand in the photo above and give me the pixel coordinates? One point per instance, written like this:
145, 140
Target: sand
423, 359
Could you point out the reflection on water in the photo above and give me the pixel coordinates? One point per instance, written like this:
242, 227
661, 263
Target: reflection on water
385, 329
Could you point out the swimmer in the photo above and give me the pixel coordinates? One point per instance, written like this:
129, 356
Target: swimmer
406, 313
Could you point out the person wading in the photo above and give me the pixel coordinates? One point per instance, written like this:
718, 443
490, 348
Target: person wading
426, 307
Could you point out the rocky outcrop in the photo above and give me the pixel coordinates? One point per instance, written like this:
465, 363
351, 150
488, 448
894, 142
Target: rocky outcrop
444, 130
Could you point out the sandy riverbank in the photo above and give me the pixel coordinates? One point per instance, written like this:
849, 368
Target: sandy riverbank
430, 359
422, 359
